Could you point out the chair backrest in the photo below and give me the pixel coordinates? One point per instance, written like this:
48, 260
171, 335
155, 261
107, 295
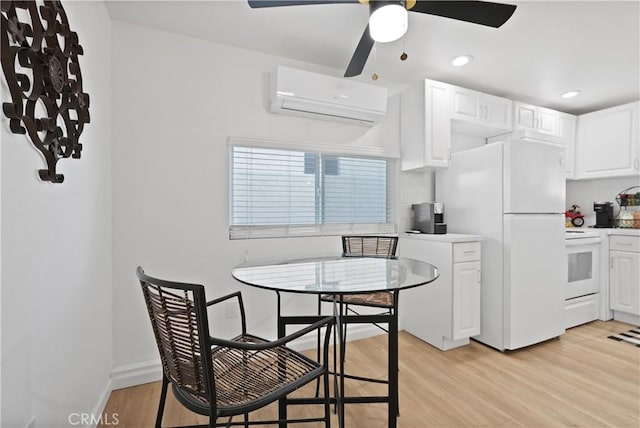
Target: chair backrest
181, 329
369, 246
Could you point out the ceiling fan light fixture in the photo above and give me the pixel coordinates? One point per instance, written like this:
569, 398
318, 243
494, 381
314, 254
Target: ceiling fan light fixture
571, 94
388, 21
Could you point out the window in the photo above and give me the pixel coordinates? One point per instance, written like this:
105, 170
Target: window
277, 192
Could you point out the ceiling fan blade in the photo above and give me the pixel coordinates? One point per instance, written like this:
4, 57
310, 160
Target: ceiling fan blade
256, 4
478, 12
360, 56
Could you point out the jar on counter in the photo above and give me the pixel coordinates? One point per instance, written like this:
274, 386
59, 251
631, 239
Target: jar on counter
626, 219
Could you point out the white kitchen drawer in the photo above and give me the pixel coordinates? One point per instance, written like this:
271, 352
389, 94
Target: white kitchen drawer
624, 243
466, 251
581, 310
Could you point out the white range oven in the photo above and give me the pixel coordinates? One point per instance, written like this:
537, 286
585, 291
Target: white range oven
582, 291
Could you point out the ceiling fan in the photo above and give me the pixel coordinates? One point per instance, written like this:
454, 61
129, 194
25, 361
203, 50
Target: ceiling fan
388, 19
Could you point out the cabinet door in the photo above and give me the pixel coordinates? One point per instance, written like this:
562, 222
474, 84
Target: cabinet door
538, 119
624, 281
567, 134
465, 104
466, 299
437, 124
547, 121
497, 112
525, 116
425, 126
607, 144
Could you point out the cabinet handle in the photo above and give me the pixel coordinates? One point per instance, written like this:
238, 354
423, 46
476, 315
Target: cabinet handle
470, 252
479, 276
626, 244
611, 263
636, 164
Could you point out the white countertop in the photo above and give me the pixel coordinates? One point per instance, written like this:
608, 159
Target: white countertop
609, 231
445, 237
621, 231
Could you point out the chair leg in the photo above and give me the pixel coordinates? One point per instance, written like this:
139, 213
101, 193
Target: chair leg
327, 405
246, 420
318, 348
344, 335
163, 399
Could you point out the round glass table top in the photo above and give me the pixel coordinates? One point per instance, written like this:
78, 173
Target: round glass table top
335, 274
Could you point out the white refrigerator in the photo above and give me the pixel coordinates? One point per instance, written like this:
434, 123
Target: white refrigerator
513, 193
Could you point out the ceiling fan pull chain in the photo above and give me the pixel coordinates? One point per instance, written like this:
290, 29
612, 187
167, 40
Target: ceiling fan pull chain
404, 56
374, 76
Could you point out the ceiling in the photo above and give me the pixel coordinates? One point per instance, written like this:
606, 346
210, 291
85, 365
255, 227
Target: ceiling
545, 49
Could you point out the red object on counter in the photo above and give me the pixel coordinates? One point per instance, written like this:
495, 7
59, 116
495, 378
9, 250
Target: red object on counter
577, 218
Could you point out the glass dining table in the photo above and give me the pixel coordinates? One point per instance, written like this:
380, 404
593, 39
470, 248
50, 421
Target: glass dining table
338, 276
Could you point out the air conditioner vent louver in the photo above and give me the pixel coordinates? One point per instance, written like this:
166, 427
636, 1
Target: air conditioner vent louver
304, 93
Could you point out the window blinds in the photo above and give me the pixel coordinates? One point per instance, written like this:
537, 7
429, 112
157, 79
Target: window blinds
277, 192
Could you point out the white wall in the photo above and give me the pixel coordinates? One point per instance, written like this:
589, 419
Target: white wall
56, 257
176, 100
585, 192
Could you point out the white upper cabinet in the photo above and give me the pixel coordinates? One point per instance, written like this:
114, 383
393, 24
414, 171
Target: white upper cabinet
425, 126
539, 119
486, 115
607, 143
567, 135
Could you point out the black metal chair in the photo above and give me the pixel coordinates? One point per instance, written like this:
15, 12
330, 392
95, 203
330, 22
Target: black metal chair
223, 378
363, 246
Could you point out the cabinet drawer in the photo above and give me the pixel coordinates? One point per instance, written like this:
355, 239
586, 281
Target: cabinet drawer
624, 243
466, 251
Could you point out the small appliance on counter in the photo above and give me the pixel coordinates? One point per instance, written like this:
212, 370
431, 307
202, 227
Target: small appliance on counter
629, 215
604, 214
428, 217
574, 217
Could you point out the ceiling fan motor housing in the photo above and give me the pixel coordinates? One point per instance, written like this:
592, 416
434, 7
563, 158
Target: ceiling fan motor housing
388, 20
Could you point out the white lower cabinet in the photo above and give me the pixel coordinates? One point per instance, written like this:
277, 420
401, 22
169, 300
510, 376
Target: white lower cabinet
624, 277
445, 313
466, 300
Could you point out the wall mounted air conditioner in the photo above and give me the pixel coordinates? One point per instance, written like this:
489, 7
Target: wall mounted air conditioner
304, 93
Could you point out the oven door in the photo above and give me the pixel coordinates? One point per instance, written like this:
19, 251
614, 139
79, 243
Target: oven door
583, 261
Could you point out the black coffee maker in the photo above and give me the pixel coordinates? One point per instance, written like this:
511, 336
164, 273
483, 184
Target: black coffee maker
604, 214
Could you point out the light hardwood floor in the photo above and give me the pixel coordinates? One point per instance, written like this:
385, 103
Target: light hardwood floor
582, 379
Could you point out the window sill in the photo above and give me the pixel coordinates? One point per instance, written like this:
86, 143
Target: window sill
295, 231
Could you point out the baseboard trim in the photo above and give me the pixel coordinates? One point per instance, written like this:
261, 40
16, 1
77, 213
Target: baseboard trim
102, 403
151, 371
136, 374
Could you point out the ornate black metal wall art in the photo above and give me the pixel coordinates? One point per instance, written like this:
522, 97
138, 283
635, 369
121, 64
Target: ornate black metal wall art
41, 68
